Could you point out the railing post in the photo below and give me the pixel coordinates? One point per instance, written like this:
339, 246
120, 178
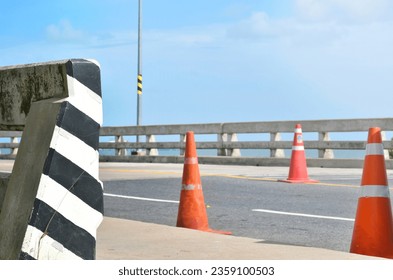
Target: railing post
385, 151
276, 153
182, 141
120, 151
227, 138
151, 152
325, 153
14, 151
221, 138
232, 137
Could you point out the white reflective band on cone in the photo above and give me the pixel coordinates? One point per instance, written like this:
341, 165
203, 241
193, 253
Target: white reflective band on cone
298, 148
374, 149
191, 187
374, 191
191, 160
298, 130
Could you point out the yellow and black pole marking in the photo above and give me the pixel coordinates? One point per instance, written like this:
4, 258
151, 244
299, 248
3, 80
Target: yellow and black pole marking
139, 89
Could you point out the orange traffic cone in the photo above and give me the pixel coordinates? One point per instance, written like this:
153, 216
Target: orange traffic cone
373, 228
298, 167
192, 210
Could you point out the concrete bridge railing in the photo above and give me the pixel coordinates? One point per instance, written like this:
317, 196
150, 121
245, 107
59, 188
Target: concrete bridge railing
231, 139
229, 142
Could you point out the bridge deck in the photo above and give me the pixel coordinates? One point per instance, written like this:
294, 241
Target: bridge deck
129, 239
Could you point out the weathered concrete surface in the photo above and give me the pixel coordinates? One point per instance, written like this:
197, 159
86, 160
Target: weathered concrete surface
23, 183
4, 178
58, 106
22, 85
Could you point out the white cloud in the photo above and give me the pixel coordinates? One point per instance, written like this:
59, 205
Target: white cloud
343, 10
312, 9
287, 32
340, 51
258, 25
64, 32
182, 37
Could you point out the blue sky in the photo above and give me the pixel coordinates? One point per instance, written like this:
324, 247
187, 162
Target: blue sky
218, 61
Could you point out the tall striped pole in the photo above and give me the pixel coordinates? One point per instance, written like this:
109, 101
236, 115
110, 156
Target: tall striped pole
139, 80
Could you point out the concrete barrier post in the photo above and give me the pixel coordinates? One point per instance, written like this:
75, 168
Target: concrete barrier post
385, 151
233, 152
53, 204
14, 151
221, 139
120, 139
276, 153
182, 144
325, 153
151, 152
227, 138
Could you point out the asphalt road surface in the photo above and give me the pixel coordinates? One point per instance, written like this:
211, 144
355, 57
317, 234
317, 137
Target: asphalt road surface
247, 203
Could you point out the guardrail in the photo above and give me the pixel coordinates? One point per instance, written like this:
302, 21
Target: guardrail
232, 143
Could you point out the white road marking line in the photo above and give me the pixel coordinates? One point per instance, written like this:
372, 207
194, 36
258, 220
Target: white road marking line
140, 198
302, 215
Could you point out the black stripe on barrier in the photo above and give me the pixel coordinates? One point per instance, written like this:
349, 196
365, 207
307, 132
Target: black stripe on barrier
25, 256
52, 223
78, 124
74, 179
86, 72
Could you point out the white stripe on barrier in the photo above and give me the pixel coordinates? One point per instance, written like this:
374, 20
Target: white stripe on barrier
42, 247
69, 205
374, 191
85, 99
76, 151
297, 148
374, 149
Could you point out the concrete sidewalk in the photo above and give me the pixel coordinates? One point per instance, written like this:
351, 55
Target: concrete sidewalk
119, 239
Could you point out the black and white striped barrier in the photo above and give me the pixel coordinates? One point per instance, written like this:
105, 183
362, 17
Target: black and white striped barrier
54, 199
